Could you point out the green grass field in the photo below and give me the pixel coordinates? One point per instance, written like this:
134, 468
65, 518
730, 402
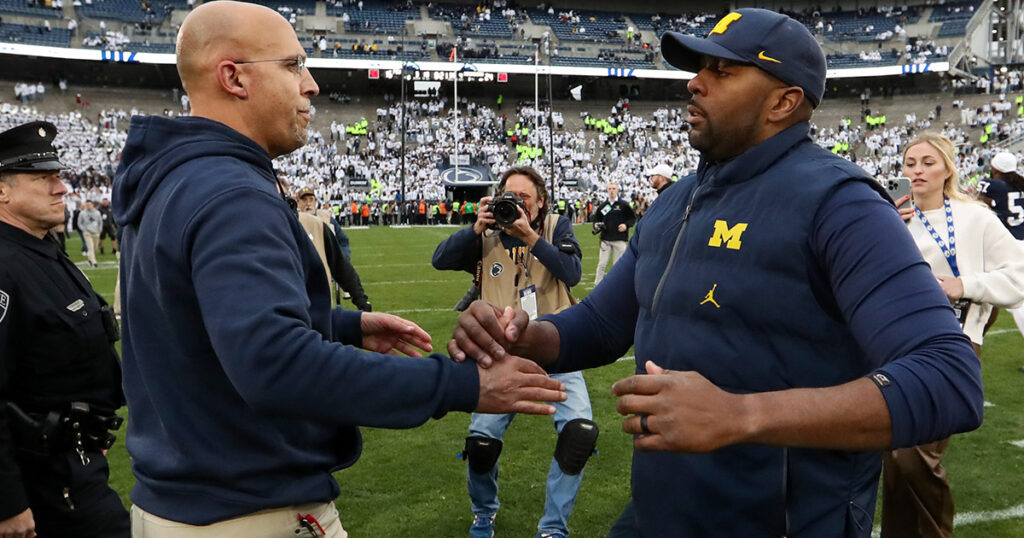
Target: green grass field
409, 483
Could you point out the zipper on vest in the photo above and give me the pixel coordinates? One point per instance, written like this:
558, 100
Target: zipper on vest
785, 491
675, 248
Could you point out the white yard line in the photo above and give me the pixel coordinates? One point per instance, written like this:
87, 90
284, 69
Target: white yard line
970, 518
399, 282
418, 310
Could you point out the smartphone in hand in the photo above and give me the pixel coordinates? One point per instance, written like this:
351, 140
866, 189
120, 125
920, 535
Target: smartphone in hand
898, 188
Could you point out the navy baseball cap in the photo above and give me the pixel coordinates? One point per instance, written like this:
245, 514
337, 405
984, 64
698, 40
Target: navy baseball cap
29, 148
777, 44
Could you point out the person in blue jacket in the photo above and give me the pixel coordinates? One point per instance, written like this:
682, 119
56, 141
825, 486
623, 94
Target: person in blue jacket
786, 329
530, 262
245, 388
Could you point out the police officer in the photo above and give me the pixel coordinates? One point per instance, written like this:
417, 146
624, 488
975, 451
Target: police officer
60, 379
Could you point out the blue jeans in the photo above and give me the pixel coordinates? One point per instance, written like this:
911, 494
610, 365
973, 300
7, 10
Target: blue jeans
561, 488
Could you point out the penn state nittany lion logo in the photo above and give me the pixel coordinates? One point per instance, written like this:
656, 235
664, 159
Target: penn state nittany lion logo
496, 269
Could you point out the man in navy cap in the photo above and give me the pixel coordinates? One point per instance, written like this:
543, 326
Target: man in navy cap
60, 379
785, 331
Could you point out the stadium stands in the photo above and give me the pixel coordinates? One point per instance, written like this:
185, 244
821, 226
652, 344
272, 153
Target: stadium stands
374, 17
953, 11
298, 6
838, 61
952, 28
123, 10
581, 38
592, 26
467, 21
21, 7
34, 35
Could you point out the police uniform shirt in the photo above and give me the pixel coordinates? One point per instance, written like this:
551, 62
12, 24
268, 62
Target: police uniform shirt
54, 348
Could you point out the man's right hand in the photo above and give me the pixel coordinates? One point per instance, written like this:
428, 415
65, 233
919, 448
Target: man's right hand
484, 217
23, 526
517, 385
485, 332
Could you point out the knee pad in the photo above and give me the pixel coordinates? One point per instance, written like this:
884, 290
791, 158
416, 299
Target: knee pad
482, 453
576, 443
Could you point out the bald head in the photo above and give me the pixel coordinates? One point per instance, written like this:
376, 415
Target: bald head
242, 65
221, 30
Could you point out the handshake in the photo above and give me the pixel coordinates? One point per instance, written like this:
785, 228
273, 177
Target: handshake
508, 383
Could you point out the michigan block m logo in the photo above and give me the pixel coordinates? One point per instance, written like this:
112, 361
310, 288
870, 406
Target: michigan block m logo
730, 236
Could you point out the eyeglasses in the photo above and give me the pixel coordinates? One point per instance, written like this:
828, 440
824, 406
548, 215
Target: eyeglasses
299, 61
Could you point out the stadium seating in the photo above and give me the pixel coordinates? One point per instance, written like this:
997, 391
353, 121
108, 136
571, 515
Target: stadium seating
599, 26
299, 6
136, 46
34, 35
637, 63
644, 23
954, 11
496, 28
953, 28
21, 7
123, 10
838, 61
375, 17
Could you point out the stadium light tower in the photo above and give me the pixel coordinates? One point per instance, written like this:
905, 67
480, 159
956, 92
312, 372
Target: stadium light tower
1007, 31
551, 125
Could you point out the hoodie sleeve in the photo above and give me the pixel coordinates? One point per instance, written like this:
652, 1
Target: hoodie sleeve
600, 329
254, 305
927, 370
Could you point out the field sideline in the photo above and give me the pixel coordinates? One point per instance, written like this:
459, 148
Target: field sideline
409, 483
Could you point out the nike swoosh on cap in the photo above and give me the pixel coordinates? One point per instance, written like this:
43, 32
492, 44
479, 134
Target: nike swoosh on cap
761, 56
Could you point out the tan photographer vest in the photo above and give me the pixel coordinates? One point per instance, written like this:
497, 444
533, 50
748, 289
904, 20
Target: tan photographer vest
498, 278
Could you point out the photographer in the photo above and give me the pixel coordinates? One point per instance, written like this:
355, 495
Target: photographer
336, 262
612, 220
529, 264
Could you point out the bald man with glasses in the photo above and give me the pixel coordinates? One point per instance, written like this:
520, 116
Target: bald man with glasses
246, 389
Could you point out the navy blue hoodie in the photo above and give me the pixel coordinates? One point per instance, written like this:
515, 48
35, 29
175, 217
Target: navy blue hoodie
242, 391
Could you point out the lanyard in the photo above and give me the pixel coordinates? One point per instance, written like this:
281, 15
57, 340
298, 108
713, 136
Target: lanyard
948, 251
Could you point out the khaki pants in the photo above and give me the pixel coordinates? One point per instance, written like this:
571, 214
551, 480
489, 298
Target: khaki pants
916, 499
616, 249
92, 243
274, 523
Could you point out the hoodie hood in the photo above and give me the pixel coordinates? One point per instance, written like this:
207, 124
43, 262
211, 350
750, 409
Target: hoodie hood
157, 145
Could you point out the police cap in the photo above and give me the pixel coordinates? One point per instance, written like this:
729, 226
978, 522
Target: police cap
29, 148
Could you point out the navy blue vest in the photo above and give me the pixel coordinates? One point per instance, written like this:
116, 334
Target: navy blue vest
729, 287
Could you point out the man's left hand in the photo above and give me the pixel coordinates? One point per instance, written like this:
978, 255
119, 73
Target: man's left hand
953, 287
387, 333
685, 412
521, 229
622, 227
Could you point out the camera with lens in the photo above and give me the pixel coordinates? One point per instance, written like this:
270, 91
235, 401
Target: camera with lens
598, 228
505, 208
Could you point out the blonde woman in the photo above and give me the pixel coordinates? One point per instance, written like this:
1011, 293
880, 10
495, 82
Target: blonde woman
979, 266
